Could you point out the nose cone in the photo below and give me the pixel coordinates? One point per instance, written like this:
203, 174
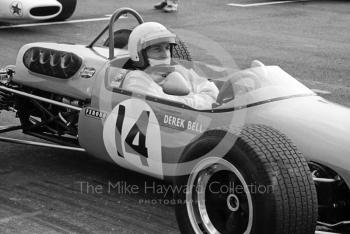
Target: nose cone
320, 129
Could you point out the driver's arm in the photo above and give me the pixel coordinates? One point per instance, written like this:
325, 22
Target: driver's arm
201, 97
203, 89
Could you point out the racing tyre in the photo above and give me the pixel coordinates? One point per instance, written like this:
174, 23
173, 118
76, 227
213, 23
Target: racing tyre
181, 51
68, 8
261, 185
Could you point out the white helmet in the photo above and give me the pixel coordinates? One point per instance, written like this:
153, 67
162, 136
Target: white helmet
145, 35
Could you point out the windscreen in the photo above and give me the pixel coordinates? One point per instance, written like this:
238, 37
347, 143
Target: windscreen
248, 86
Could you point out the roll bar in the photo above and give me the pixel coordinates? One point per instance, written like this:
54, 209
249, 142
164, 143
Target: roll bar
116, 15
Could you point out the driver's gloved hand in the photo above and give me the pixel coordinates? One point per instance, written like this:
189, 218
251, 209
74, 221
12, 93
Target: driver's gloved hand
226, 93
176, 84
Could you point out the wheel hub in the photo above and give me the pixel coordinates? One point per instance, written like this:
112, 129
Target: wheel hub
232, 202
212, 204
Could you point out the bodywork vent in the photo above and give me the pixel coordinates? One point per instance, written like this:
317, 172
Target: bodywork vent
44, 11
59, 64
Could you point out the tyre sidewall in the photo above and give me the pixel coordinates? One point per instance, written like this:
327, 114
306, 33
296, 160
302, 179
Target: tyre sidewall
262, 210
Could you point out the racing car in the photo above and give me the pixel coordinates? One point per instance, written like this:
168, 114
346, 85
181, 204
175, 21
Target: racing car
34, 10
271, 156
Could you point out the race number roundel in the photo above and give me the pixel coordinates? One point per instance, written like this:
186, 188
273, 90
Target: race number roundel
131, 135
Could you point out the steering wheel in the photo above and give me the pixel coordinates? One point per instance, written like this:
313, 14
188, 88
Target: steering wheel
240, 82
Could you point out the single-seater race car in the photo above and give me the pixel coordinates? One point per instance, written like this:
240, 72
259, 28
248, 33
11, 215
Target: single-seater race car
271, 156
35, 10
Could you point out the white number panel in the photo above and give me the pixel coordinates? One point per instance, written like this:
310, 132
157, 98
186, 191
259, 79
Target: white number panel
131, 135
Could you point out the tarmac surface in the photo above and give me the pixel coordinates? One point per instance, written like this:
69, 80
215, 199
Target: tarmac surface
55, 191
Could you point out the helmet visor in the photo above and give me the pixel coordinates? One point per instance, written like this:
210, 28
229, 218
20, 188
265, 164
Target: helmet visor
156, 38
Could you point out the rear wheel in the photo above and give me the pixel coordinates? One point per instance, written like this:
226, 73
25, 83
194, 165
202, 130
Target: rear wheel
68, 8
262, 185
180, 51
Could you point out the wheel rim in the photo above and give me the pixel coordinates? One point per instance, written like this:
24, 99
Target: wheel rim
213, 204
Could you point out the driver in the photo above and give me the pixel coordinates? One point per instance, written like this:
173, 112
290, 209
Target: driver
150, 47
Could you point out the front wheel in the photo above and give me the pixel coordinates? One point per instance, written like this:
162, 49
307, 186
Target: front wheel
262, 185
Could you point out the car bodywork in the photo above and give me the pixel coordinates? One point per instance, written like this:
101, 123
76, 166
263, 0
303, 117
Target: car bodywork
84, 83
34, 10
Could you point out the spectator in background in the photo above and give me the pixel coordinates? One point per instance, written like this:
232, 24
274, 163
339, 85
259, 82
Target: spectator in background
167, 5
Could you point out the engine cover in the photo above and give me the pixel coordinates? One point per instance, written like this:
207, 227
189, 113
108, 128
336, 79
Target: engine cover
65, 69
51, 62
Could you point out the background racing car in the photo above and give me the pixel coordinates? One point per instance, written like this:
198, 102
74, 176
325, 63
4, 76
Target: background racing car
34, 10
236, 168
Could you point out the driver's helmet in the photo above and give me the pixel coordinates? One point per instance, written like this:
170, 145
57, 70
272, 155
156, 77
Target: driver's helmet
145, 35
